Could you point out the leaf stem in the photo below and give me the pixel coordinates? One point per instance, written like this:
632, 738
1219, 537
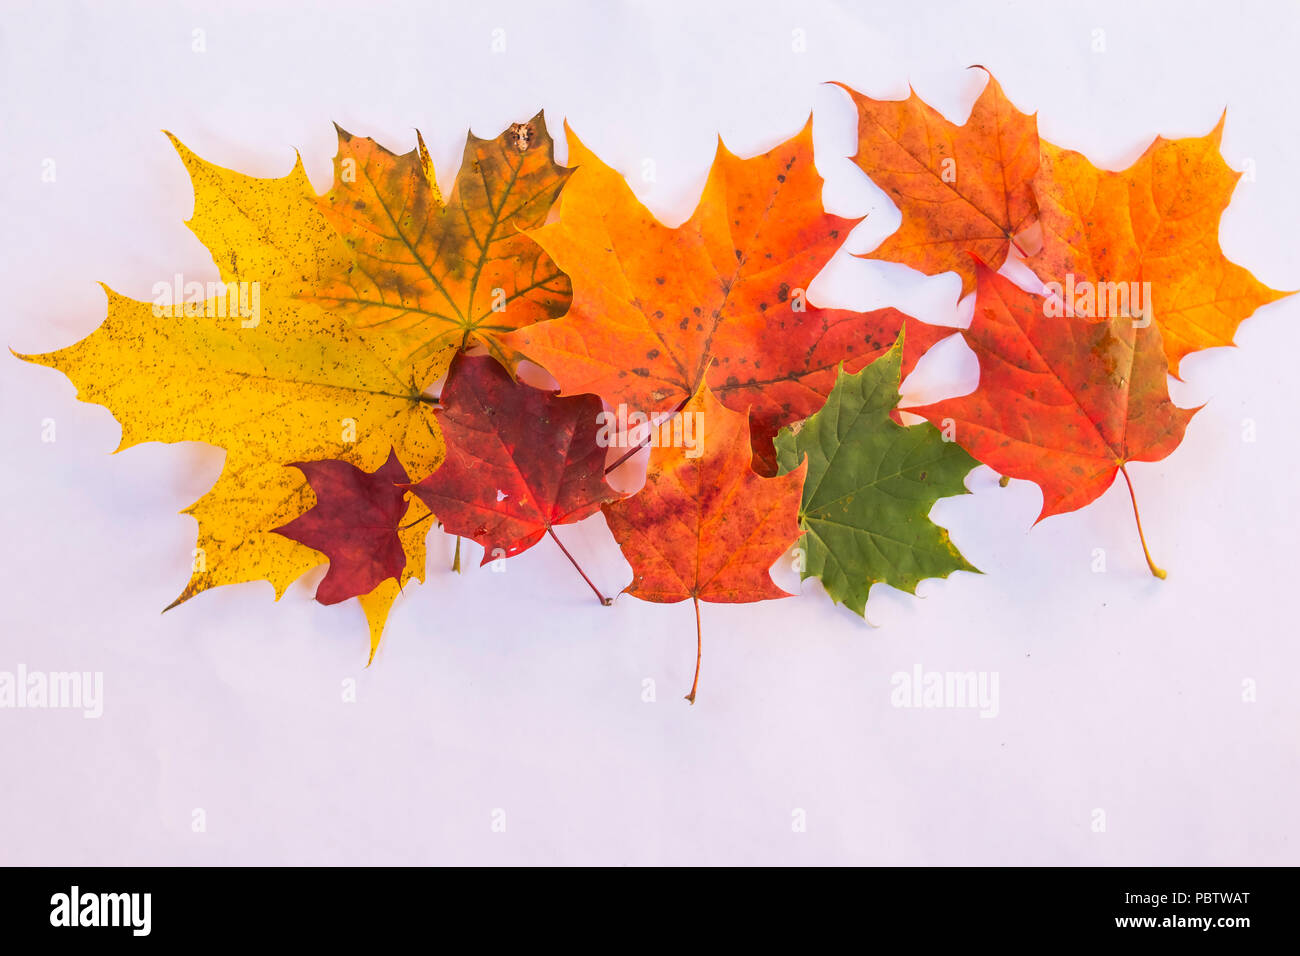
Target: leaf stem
648, 435
699, 648
426, 517
455, 561
1158, 572
603, 600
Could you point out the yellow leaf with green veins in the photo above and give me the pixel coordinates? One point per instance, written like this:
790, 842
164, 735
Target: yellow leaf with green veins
459, 273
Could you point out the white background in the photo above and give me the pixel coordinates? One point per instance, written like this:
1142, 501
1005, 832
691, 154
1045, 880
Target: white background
517, 691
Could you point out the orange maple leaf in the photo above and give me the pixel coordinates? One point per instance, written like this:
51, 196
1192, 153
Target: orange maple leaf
1144, 241
454, 274
657, 311
706, 525
963, 190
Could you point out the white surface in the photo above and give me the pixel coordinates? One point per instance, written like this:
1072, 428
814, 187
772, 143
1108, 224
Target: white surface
516, 690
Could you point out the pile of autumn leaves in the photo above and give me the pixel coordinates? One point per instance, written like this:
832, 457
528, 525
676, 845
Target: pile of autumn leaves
338, 450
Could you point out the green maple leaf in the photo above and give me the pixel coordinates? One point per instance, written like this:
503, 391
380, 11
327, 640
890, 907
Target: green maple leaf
870, 486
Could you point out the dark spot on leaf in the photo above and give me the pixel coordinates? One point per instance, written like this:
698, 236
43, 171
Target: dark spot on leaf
520, 136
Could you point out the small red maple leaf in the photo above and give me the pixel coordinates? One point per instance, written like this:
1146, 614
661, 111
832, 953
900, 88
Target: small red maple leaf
520, 460
354, 523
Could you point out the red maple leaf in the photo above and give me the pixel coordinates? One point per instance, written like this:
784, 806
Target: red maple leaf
353, 523
520, 460
1063, 401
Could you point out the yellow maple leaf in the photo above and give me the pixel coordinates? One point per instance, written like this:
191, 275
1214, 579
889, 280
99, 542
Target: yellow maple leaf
257, 368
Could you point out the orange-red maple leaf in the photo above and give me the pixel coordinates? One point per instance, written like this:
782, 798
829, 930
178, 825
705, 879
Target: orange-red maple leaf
1062, 401
706, 526
963, 190
720, 300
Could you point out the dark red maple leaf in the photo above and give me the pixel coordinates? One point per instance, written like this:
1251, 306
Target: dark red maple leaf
519, 461
354, 523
